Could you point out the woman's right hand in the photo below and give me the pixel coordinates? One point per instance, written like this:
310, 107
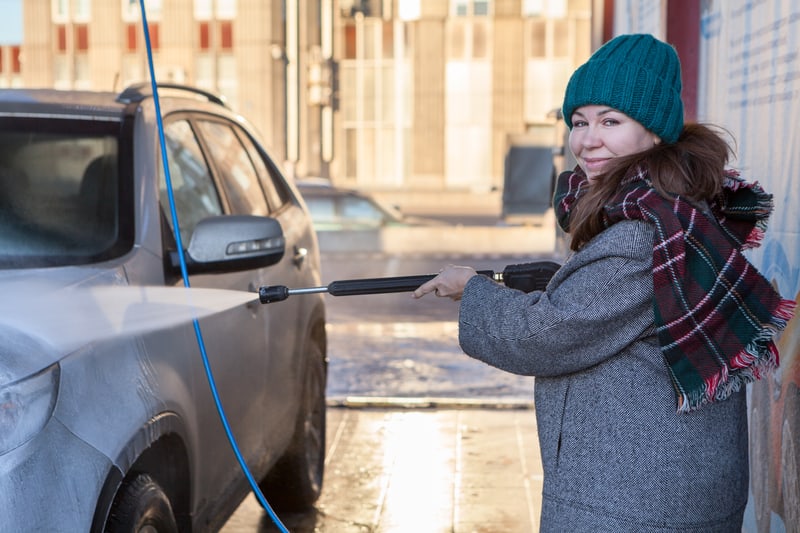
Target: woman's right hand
448, 283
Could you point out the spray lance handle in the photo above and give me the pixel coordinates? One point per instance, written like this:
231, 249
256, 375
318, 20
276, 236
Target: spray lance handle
526, 277
529, 277
353, 287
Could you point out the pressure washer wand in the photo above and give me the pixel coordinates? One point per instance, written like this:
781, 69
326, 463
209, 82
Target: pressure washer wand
526, 277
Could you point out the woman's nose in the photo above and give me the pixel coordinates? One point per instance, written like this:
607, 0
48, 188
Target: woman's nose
591, 138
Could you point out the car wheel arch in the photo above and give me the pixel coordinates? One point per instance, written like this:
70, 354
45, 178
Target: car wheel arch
159, 449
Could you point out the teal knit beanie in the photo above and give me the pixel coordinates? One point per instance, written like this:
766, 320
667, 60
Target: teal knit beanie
636, 74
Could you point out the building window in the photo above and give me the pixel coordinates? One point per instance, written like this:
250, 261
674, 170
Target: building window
409, 9
60, 10
153, 28
480, 40
204, 35
132, 33
208, 9
532, 8
61, 38
16, 64
388, 39
350, 40
81, 36
81, 10
226, 9
538, 38
457, 40
375, 118
226, 34
82, 71
561, 38
132, 10
470, 8
204, 71
132, 69
468, 39
551, 38
544, 8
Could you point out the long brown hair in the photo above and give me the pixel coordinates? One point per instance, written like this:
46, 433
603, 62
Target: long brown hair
691, 167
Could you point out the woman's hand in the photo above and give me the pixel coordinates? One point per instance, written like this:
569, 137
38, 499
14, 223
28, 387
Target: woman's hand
449, 283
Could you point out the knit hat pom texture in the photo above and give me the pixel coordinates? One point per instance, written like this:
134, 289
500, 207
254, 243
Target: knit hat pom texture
636, 74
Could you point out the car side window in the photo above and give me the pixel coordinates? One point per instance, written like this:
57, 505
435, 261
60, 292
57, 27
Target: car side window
195, 195
360, 209
239, 177
271, 179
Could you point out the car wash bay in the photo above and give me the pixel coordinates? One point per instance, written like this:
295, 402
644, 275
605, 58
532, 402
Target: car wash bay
419, 436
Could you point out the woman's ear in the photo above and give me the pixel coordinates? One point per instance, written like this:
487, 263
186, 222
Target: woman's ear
656, 140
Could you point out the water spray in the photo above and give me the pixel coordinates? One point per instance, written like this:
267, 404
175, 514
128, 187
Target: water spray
526, 277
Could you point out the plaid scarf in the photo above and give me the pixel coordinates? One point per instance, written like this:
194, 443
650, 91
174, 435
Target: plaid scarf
715, 314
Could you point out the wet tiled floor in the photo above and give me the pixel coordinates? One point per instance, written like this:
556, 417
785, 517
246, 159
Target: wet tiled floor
418, 466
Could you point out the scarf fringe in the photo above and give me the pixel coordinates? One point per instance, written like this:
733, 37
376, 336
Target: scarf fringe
755, 237
725, 384
754, 362
760, 210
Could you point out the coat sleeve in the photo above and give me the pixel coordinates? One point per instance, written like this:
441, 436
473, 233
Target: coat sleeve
595, 306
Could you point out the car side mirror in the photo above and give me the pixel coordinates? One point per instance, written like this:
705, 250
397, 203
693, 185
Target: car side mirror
230, 243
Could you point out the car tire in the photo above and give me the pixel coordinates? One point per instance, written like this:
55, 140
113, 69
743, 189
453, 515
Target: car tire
295, 482
141, 505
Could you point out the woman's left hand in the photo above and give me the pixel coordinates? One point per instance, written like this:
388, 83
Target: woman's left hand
449, 283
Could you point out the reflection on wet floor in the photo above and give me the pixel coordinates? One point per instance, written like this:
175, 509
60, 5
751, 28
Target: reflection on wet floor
421, 470
412, 359
400, 330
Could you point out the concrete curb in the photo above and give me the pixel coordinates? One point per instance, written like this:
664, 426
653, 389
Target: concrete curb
397, 402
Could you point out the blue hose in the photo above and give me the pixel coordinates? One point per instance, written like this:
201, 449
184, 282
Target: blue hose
184, 274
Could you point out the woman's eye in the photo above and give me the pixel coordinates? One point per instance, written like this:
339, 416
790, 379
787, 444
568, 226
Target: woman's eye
578, 123
610, 122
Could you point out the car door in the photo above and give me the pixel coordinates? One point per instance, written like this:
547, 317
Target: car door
235, 339
246, 181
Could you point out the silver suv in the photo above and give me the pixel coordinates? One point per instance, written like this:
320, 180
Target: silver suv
108, 434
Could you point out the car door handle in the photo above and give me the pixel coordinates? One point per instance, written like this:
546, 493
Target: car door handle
300, 254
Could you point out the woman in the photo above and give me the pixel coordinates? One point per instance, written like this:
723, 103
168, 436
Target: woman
644, 339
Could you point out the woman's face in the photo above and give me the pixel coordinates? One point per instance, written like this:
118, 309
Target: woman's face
600, 133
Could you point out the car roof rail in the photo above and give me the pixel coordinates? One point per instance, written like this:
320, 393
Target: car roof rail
139, 91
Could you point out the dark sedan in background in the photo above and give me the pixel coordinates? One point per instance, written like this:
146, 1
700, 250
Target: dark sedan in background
341, 209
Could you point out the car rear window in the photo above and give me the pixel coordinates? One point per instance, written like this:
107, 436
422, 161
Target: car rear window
59, 191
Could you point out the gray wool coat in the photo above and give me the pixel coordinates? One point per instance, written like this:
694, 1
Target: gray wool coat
617, 456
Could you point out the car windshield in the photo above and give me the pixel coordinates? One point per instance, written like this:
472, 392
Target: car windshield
59, 191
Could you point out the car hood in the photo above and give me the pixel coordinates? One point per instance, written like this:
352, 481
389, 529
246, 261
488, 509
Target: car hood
31, 299
50, 313
22, 355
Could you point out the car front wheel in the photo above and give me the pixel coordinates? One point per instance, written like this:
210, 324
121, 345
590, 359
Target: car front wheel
141, 506
295, 482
